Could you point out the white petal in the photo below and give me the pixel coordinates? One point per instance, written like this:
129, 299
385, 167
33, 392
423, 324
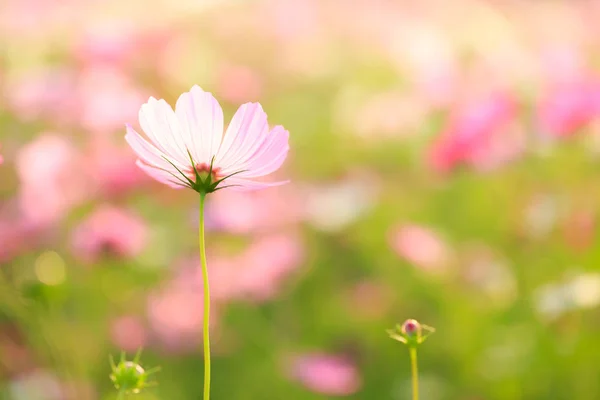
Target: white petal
160, 175
270, 156
159, 122
243, 135
245, 185
201, 121
148, 152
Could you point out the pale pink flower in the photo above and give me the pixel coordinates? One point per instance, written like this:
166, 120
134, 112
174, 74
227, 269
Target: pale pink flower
253, 212
116, 174
256, 274
17, 234
421, 246
107, 97
567, 107
176, 313
327, 374
109, 230
188, 148
237, 83
128, 333
107, 43
483, 134
44, 93
266, 265
49, 187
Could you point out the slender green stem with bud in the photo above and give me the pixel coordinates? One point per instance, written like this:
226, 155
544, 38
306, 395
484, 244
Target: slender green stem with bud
205, 331
412, 334
414, 372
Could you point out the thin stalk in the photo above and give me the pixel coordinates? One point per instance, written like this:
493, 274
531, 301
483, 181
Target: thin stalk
206, 335
414, 371
121, 395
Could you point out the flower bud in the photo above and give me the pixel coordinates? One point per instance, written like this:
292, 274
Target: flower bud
129, 376
411, 328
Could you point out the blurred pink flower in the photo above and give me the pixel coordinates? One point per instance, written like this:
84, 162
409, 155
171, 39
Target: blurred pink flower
253, 212
266, 264
48, 169
421, 246
107, 44
128, 333
107, 97
190, 140
176, 314
109, 230
46, 94
237, 84
330, 375
16, 236
255, 274
567, 107
483, 135
116, 174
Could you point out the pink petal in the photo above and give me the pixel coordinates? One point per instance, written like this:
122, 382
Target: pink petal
159, 122
243, 135
201, 121
147, 152
270, 156
245, 185
160, 175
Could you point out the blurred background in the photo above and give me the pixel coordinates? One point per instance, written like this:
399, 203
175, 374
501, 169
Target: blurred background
445, 160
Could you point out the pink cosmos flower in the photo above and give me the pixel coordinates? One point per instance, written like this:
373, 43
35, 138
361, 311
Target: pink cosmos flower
257, 274
187, 147
484, 135
327, 374
175, 314
421, 246
128, 333
243, 213
45, 169
114, 175
107, 97
568, 107
109, 229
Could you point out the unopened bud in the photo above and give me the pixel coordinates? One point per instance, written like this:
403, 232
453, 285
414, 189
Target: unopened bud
411, 332
130, 376
411, 327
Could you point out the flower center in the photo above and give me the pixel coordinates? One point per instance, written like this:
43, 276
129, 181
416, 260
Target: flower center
203, 170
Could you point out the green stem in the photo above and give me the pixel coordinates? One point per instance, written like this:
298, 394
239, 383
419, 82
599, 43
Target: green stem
415, 372
205, 331
121, 395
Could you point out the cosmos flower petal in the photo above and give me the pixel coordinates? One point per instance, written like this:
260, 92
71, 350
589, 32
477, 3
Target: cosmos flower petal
247, 185
161, 175
159, 122
201, 121
246, 128
146, 151
270, 156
